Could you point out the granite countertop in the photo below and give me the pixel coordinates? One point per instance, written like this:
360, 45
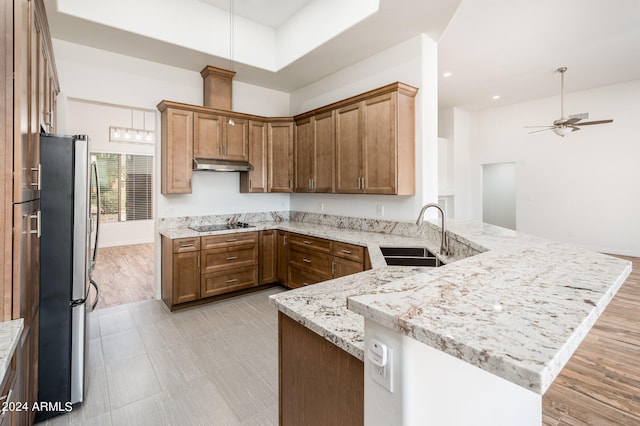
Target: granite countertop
10, 332
518, 308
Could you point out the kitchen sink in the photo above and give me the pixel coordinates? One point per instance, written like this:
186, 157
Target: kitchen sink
410, 256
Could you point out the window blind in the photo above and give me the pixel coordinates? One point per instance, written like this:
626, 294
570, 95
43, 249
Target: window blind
125, 186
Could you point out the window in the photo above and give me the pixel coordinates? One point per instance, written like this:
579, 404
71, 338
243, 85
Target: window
125, 186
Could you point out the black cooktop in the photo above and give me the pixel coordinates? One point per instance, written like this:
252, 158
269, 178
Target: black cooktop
220, 227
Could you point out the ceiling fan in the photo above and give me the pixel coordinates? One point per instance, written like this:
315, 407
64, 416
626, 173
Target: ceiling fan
563, 126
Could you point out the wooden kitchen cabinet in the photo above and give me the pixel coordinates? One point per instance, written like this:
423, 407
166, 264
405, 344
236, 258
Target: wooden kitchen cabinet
314, 153
207, 135
229, 263
312, 260
176, 150
27, 102
375, 142
268, 257
256, 180
283, 257
215, 138
180, 270
280, 162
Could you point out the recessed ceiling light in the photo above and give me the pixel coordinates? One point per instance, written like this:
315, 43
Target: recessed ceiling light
446, 74
495, 97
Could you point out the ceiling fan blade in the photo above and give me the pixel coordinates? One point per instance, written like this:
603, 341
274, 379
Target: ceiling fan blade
589, 123
527, 127
572, 121
542, 130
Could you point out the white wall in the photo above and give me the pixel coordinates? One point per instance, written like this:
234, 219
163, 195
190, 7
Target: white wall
413, 62
581, 189
94, 119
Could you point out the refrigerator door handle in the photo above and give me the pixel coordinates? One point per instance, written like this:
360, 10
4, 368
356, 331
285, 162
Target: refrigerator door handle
94, 166
95, 302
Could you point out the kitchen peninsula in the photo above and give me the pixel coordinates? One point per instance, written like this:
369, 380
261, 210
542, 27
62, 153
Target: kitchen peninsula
508, 310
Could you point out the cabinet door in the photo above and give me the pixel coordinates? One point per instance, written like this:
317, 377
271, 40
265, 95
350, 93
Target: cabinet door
177, 151
324, 164
349, 149
342, 267
380, 145
283, 258
304, 156
207, 135
256, 180
26, 153
280, 163
237, 140
268, 256
186, 277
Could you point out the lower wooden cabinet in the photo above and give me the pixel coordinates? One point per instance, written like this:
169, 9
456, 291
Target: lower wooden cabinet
283, 257
268, 261
313, 260
319, 383
196, 268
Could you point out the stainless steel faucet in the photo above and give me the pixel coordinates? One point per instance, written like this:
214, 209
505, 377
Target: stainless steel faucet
444, 245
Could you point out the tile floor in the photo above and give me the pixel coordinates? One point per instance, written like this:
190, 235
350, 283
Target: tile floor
216, 364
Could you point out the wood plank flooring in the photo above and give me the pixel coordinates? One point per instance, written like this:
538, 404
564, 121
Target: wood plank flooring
124, 274
600, 385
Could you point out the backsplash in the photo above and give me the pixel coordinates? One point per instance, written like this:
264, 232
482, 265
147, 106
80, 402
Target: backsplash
460, 248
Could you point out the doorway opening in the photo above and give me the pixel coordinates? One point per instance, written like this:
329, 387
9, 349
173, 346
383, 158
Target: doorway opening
499, 194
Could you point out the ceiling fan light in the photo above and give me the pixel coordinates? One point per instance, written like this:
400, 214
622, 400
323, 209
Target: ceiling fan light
562, 131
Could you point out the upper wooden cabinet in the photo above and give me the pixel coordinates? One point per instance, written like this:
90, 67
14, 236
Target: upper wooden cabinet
256, 180
214, 137
280, 163
314, 149
375, 145
176, 150
363, 144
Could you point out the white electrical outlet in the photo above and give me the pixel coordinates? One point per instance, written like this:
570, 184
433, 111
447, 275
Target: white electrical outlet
380, 361
380, 210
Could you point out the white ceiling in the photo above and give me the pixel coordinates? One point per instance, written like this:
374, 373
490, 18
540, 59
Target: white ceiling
267, 12
508, 48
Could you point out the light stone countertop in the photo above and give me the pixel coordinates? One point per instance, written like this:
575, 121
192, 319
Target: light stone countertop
518, 308
10, 332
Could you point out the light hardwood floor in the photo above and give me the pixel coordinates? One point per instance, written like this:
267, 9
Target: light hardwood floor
600, 385
124, 274
217, 365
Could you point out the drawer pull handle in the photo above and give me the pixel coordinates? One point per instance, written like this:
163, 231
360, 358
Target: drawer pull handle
346, 251
306, 242
231, 240
232, 281
305, 283
232, 258
306, 260
188, 245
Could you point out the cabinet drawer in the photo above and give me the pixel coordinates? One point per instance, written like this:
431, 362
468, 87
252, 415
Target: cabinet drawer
317, 263
182, 245
229, 257
229, 240
301, 277
348, 251
226, 281
318, 244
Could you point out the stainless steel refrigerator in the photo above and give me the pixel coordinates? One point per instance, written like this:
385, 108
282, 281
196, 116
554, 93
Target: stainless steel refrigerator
69, 202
